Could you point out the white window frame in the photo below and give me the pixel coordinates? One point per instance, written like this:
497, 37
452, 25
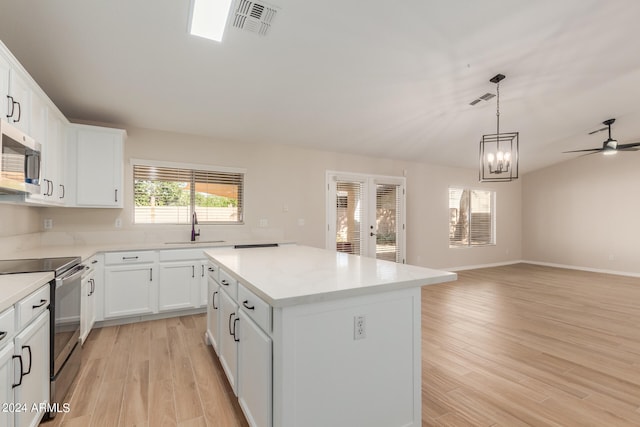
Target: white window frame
494, 196
192, 166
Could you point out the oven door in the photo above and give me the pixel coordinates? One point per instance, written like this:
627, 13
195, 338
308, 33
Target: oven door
66, 315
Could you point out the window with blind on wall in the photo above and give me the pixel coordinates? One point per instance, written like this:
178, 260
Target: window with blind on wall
471, 217
169, 195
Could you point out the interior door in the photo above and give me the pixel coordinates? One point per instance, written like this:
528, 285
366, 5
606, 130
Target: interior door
365, 215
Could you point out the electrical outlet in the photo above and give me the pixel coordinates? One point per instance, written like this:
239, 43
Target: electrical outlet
48, 224
359, 327
264, 222
118, 222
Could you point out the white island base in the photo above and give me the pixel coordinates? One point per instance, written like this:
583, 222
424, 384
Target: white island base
323, 376
309, 337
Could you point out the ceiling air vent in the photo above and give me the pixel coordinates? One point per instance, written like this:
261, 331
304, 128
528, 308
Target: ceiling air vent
254, 17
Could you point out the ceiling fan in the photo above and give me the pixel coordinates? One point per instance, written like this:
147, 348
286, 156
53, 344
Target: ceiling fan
610, 145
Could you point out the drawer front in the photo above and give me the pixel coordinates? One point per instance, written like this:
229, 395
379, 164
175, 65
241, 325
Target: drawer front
115, 258
255, 307
181, 254
213, 271
30, 307
229, 284
7, 325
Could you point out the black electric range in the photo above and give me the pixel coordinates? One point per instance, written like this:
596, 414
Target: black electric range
36, 265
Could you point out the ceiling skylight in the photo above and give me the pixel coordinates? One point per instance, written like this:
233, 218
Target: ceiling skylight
209, 18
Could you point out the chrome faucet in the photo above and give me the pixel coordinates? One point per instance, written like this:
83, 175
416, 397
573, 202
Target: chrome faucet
194, 222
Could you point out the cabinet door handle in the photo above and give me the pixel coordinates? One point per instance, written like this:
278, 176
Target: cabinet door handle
42, 302
28, 347
151, 274
124, 258
51, 190
10, 104
21, 374
93, 286
230, 323
245, 303
116, 195
62, 187
193, 271
202, 270
224, 282
19, 112
213, 301
3, 334
235, 329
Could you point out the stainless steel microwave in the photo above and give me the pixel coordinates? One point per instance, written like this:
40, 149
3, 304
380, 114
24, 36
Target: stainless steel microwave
20, 161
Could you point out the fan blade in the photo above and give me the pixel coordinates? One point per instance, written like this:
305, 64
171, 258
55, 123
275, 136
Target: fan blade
599, 130
629, 147
580, 151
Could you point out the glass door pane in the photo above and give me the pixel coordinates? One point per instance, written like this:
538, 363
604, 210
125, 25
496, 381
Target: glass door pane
349, 216
387, 223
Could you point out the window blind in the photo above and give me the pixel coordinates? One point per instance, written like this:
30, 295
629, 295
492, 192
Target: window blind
348, 216
166, 195
387, 211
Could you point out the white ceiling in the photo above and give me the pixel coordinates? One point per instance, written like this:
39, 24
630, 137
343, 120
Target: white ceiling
380, 78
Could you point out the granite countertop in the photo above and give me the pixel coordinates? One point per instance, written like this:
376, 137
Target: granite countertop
293, 274
14, 287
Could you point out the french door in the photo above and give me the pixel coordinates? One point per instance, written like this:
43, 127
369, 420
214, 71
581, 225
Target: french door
366, 215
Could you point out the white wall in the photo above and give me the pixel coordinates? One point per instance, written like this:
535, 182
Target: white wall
282, 175
584, 213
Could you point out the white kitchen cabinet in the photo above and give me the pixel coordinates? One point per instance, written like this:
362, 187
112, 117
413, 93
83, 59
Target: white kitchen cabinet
19, 102
176, 284
99, 171
213, 307
6, 384
130, 290
228, 344
5, 70
32, 347
87, 303
254, 372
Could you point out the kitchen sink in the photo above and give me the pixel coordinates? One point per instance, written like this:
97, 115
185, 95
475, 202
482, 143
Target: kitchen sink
188, 242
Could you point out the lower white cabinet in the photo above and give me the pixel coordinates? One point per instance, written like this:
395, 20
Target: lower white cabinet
177, 283
213, 323
32, 371
6, 384
130, 290
87, 305
254, 371
228, 350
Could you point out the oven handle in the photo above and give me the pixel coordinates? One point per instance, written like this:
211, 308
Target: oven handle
71, 275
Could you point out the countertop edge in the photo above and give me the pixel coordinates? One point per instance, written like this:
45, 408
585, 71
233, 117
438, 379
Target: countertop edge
14, 287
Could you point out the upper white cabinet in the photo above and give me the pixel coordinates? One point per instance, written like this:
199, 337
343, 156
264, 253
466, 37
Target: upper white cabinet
99, 171
5, 100
19, 101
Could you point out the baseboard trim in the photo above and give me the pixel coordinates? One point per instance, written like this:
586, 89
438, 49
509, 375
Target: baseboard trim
157, 316
475, 267
580, 268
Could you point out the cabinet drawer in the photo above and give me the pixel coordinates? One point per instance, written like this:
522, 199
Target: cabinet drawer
30, 307
114, 258
181, 255
229, 284
256, 308
213, 271
7, 325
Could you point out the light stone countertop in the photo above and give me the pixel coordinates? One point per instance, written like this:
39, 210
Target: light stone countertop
292, 274
14, 287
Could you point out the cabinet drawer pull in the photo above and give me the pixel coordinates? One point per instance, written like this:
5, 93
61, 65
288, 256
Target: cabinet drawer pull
151, 274
95, 261
19, 112
224, 282
19, 357
2, 335
213, 301
235, 329
28, 347
62, 187
193, 271
202, 270
42, 302
51, 189
124, 258
211, 269
245, 303
116, 200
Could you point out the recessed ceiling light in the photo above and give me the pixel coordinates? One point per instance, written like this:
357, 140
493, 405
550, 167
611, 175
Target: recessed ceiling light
209, 18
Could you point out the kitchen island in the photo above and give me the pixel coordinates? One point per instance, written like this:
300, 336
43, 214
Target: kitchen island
310, 337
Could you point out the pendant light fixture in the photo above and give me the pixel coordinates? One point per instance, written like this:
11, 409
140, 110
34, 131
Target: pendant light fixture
499, 151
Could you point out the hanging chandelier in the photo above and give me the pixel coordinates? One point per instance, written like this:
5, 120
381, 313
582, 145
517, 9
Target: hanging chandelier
499, 151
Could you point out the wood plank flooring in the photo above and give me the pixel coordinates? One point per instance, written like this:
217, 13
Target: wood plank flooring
519, 345
530, 345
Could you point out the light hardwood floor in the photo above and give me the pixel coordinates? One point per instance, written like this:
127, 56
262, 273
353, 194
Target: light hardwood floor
508, 346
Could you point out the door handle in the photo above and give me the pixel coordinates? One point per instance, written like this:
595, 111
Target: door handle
19, 112
230, 318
